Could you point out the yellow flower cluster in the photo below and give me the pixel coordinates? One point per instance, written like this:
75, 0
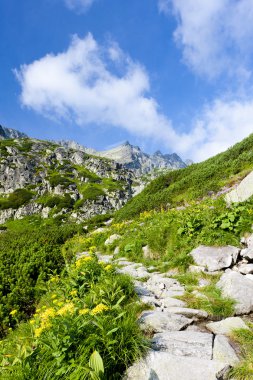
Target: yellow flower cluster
92, 249
99, 309
13, 312
45, 321
82, 260
83, 311
68, 308
146, 214
73, 292
108, 267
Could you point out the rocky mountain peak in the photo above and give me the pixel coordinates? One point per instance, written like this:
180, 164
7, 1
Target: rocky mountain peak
9, 133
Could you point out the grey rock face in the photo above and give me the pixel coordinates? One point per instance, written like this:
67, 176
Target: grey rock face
112, 239
245, 268
187, 312
240, 288
242, 192
184, 343
8, 133
247, 253
226, 326
215, 258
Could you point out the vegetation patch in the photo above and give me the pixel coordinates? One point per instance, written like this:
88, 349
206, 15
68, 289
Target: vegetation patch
16, 199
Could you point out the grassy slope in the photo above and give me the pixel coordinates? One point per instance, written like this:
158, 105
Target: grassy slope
195, 181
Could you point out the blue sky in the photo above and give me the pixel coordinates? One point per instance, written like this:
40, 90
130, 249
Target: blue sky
174, 75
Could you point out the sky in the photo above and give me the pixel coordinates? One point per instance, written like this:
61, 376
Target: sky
169, 75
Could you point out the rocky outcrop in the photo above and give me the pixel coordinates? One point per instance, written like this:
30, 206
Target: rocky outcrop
8, 133
242, 192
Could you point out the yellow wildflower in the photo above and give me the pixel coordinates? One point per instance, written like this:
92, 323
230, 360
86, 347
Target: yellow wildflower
87, 258
38, 331
13, 312
53, 296
50, 312
73, 292
99, 309
54, 279
108, 267
32, 321
92, 249
84, 311
68, 308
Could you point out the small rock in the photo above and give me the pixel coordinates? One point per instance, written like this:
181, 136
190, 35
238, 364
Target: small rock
112, 239
223, 351
160, 321
245, 268
148, 253
196, 269
226, 326
172, 302
116, 251
215, 258
247, 253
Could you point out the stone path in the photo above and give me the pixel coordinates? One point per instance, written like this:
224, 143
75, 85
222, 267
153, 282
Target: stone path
184, 345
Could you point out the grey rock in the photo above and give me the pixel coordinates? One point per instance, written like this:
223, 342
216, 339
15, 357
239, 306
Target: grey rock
164, 366
249, 277
196, 269
172, 302
245, 268
112, 239
226, 326
150, 300
184, 343
164, 287
242, 192
215, 258
148, 253
223, 351
239, 288
187, 312
160, 321
247, 253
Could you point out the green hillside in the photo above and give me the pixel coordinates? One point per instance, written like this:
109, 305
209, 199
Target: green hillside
193, 182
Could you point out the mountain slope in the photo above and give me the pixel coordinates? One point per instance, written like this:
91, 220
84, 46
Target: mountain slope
40, 177
8, 133
195, 181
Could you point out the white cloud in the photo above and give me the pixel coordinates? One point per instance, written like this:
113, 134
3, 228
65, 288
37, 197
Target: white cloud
79, 5
91, 84
215, 35
79, 86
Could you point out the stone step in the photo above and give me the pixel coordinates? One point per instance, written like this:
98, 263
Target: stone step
164, 366
161, 321
184, 343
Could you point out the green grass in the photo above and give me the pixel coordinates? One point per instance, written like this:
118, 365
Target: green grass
183, 185
16, 199
244, 369
90, 308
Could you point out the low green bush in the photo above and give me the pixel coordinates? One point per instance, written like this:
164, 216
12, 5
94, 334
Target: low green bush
16, 199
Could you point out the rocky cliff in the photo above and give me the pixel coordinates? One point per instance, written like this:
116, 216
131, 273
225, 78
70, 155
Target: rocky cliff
40, 177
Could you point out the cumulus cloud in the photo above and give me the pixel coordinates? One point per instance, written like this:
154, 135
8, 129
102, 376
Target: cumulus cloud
79, 5
215, 35
90, 84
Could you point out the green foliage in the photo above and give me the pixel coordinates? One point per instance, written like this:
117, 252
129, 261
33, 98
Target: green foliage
211, 300
244, 369
84, 328
28, 255
16, 199
56, 201
193, 182
89, 191
58, 179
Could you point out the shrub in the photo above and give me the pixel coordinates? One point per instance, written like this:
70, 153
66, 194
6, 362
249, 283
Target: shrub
16, 199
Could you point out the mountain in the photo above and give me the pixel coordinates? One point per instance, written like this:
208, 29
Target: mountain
132, 157
8, 133
41, 177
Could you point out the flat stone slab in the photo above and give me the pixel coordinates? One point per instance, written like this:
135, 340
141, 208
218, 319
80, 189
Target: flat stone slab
159, 321
172, 302
187, 312
184, 343
151, 300
215, 258
164, 366
139, 272
226, 326
164, 287
238, 287
223, 351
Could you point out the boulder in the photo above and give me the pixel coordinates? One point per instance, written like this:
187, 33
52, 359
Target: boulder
215, 258
184, 343
238, 287
148, 253
160, 321
226, 326
187, 312
242, 192
164, 287
111, 239
223, 351
164, 366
